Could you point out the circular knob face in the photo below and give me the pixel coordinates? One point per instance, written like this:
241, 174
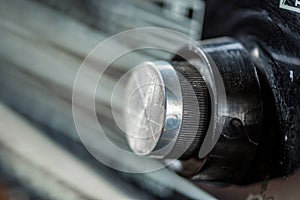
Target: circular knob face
163, 118
146, 108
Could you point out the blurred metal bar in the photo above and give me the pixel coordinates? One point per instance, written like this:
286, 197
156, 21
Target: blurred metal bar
41, 51
45, 166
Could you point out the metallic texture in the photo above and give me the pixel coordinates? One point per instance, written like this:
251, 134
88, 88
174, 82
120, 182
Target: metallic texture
271, 34
212, 109
169, 105
234, 152
237, 112
145, 108
193, 86
157, 108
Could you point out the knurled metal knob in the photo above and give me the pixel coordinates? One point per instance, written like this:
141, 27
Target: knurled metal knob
167, 109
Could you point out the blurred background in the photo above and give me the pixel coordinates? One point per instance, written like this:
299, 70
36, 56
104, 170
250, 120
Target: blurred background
42, 45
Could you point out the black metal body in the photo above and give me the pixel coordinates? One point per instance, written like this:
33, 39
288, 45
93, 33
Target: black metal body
272, 35
239, 110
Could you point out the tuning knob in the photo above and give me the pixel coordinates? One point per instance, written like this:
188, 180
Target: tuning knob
205, 105
167, 109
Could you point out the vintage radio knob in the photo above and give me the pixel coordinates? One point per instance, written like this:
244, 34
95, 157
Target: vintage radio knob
167, 109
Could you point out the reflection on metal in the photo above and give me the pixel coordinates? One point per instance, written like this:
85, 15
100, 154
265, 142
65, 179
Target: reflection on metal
224, 132
154, 95
175, 118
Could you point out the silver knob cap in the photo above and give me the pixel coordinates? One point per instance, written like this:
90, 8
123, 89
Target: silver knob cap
166, 109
